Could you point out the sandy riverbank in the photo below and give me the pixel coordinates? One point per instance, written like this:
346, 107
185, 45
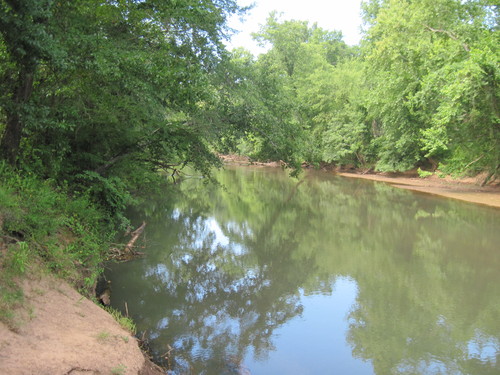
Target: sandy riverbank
465, 189
60, 332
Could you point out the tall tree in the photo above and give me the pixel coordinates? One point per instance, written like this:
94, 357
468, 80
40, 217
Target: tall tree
116, 81
26, 42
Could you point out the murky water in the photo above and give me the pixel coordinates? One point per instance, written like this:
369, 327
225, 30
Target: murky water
321, 275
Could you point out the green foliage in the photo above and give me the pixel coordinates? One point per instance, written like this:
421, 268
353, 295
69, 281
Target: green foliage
121, 89
19, 258
110, 193
70, 235
115, 92
126, 323
423, 174
434, 66
280, 115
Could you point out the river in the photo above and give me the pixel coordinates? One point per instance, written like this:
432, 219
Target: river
268, 274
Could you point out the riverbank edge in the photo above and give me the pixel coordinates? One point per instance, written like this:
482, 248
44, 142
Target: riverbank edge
465, 189
60, 331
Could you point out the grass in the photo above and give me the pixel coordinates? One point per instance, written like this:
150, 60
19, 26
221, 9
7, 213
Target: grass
11, 297
41, 224
13, 264
103, 336
119, 370
424, 174
125, 322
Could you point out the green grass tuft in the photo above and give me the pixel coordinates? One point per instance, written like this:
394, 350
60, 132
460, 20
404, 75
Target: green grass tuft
126, 322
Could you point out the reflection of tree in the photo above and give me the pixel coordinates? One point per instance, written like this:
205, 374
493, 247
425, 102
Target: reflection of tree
225, 267
437, 292
212, 301
216, 308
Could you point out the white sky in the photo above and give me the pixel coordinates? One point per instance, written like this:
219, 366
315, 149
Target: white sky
343, 15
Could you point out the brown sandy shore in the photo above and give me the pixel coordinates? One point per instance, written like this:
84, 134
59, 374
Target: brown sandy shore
467, 189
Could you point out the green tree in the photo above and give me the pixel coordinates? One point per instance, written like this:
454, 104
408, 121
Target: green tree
26, 42
434, 81
283, 103
101, 94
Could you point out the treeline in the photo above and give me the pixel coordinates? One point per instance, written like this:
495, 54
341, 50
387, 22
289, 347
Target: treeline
422, 90
100, 95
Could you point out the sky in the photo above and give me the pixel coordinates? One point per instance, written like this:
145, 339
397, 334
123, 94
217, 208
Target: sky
343, 15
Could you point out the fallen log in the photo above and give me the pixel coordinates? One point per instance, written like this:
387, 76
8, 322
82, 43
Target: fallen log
135, 235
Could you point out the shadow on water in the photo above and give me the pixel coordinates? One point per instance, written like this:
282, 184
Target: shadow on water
230, 271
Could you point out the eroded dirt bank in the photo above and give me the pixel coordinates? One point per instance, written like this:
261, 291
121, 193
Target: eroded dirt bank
61, 332
466, 189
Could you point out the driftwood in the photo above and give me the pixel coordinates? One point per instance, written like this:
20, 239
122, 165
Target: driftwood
135, 235
127, 252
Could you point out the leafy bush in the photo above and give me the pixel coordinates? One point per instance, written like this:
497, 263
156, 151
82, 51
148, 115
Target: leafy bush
110, 193
69, 234
423, 174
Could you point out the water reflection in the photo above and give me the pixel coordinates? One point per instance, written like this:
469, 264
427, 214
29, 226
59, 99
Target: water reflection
229, 269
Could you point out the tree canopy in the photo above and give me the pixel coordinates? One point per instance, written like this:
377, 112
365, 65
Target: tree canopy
420, 91
104, 94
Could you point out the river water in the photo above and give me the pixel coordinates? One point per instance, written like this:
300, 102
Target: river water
268, 274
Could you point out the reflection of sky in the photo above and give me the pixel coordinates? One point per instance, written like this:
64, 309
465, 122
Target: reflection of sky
208, 230
315, 342
220, 238
484, 348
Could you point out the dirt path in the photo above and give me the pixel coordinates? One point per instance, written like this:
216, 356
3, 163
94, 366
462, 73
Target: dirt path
464, 189
63, 333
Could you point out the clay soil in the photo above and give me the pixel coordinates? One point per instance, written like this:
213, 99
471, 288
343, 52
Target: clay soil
59, 332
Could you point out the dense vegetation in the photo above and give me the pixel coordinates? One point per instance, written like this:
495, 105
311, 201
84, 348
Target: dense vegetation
422, 90
97, 97
101, 99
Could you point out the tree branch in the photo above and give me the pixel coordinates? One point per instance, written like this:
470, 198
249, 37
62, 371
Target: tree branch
450, 34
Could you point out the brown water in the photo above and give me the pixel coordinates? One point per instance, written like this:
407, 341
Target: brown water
322, 275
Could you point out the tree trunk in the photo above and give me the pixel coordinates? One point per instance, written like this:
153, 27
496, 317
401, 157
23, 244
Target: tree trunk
11, 138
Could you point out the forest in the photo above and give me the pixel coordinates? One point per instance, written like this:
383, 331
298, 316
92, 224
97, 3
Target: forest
104, 101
